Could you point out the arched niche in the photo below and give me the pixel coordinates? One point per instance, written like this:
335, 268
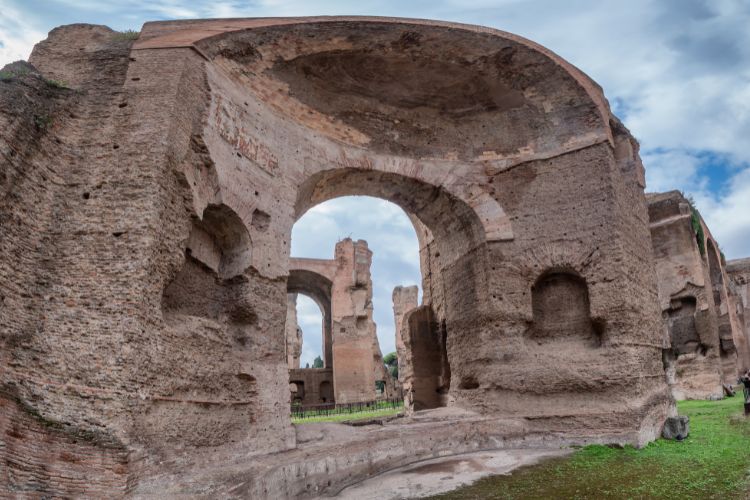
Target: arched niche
561, 310
218, 248
220, 240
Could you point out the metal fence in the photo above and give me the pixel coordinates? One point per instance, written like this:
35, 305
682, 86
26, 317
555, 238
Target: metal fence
308, 411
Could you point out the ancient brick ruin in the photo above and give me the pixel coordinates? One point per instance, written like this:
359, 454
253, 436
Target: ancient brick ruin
706, 344
739, 275
352, 361
146, 215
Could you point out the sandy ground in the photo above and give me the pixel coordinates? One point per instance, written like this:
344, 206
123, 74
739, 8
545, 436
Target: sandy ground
439, 475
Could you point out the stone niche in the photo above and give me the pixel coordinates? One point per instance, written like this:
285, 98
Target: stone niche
561, 311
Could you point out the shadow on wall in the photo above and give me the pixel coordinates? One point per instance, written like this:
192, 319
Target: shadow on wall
561, 311
206, 302
430, 380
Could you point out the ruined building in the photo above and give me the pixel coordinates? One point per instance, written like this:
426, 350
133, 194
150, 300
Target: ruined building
352, 364
706, 342
148, 193
405, 298
739, 275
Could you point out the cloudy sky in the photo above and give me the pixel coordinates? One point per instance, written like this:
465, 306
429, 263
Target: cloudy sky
677, 72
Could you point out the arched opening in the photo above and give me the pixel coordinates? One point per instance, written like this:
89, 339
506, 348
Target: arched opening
297, 388
308, 354
450, 240
313, 287
359, 275
326, 392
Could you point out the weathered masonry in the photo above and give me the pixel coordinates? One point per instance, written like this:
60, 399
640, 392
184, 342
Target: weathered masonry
146, 213
352, 361
739, 274
707, 344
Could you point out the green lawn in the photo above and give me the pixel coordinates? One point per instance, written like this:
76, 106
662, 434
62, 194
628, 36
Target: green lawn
349, 417
714, 462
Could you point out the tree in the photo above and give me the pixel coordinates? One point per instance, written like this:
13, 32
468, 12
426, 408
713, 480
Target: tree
391, 362
390, 359
318, 362
307, 365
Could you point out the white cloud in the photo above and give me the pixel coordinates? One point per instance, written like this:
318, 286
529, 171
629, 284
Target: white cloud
728, 217
17, 37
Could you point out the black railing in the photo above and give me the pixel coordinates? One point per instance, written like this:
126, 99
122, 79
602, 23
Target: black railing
300, 411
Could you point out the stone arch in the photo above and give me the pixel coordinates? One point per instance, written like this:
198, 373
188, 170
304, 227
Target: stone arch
452, 240
237, 39
297, 390
217, 249
318, 288
439, 213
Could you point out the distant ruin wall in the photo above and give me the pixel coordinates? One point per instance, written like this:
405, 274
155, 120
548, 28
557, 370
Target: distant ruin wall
739, 274
706, 344
356, 359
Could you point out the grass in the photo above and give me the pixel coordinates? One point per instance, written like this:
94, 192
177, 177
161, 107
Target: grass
11, 74
349, 417
56, 83
713, 462
8, 75
126, 35
42, 122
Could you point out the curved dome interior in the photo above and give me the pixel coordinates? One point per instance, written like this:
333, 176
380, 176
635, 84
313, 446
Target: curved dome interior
413, 90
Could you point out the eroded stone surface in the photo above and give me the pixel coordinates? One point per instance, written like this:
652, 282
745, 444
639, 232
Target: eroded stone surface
706, 343
739, 273
146, 216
